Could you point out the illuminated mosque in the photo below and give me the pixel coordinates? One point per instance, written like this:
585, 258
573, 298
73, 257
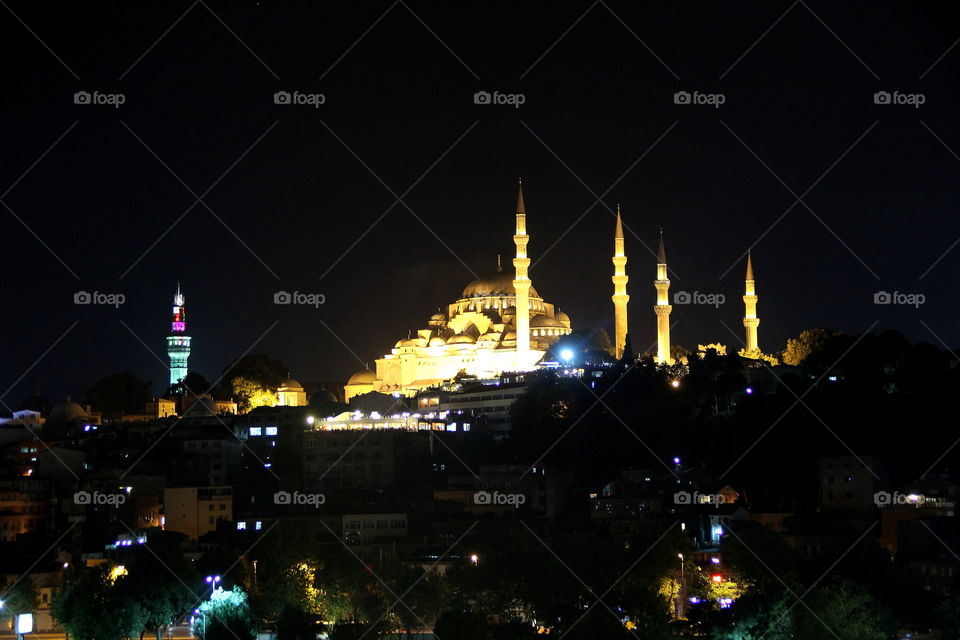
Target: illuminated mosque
501, 324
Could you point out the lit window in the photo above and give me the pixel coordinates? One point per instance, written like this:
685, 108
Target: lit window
241, 526
258, 525
256, 431
270, 431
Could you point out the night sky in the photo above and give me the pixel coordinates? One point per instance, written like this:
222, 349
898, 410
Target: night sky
292, 188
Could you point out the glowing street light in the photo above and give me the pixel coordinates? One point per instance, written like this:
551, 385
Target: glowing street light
566, 354
474, 558
675, 384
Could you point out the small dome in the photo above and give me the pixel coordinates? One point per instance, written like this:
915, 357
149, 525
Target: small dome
364, 376
408, 342
437, 341
437, 319
290, 385
322, 397
462, 338
562, 317
67, 411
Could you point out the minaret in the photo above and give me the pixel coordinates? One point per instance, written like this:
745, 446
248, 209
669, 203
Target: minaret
178, 344
662, 308
620, 297
521, 283
750, 319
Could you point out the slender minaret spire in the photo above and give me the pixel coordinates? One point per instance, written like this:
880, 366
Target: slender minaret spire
178, 344
662, 308
620, 297
750, 319
521, 283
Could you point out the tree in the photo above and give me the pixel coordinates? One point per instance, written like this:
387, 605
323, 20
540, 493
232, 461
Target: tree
119, 393
191, 384
225, 616
808, 343
250, 394
85, 597
155, 580
846, 609
19, 596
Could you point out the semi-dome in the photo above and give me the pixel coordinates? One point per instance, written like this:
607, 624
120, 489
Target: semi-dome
437, 341
547, 322
364, 376
462, 338
497, 283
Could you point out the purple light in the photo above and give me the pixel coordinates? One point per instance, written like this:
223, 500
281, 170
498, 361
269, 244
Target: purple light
749, 390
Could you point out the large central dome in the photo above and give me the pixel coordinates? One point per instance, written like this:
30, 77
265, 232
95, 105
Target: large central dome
495, 283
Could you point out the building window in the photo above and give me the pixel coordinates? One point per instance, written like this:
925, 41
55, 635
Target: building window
256, 431
258, 525
241, 526
270, 431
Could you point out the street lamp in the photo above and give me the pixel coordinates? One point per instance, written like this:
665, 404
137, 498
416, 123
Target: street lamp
474, 558
681, 596
566, 354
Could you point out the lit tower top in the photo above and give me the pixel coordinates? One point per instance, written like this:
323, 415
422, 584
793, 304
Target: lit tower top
521, 283
750, 319
178, 344
662, 308
620, 297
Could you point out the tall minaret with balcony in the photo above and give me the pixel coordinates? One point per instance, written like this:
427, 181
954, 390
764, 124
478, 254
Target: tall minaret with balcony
521, 282
620, 297
750, 319
178, 344
662, 308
